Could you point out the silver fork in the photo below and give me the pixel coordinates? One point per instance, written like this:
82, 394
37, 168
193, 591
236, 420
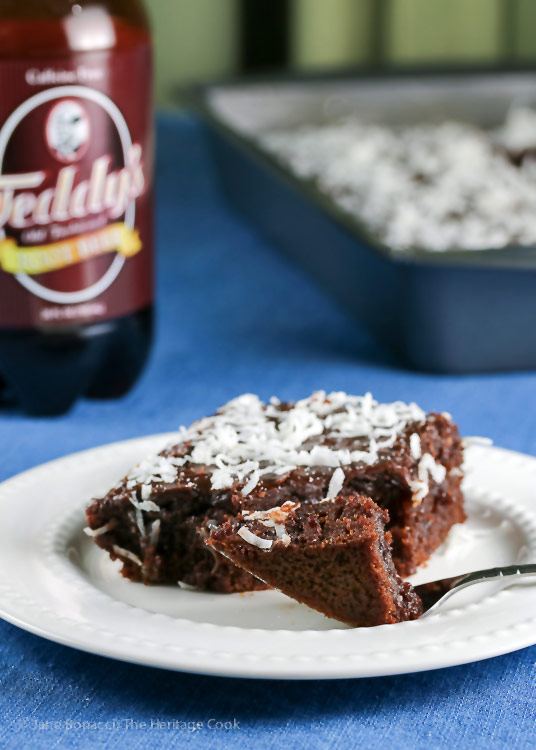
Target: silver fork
433, 594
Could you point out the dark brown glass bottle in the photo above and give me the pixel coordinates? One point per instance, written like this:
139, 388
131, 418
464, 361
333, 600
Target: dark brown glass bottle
76, 199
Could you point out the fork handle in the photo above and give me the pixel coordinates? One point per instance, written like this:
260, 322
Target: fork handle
493, 574
439, 591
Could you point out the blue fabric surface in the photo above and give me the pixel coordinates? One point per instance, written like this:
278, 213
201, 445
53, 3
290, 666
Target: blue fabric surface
235, 317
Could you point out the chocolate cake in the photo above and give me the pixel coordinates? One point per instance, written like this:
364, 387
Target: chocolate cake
254, 456
334, 556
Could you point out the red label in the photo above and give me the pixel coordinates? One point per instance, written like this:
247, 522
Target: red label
76, 166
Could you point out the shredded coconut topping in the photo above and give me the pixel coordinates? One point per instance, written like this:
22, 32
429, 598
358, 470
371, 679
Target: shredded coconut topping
415, 446
251, 538
154, 533
143, 504
273, 518
279, 514
154, 469
121, 552
336, 484
139, 506
101, 530
248, 439
427, 468
434, 186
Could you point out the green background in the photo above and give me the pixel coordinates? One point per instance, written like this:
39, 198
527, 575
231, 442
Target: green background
197, 40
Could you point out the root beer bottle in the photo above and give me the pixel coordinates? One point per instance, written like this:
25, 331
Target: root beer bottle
76, 195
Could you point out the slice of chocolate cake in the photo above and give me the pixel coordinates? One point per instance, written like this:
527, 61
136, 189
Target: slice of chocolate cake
255, 456
334, 556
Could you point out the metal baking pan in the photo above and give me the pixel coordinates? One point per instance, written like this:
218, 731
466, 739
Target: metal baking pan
458, 311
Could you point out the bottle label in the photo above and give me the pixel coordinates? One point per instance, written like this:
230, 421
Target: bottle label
75, 188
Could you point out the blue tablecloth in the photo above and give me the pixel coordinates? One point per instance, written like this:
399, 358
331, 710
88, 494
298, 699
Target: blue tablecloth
233, 316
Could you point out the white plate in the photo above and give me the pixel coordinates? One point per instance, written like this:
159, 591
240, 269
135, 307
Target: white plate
55, 582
